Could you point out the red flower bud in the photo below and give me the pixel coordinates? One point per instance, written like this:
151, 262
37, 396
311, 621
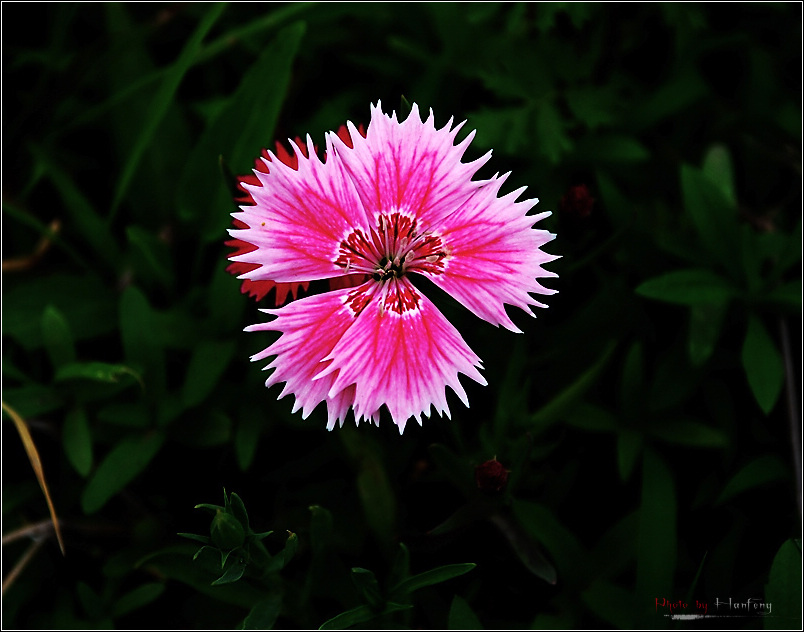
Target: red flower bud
577, 201
491, 476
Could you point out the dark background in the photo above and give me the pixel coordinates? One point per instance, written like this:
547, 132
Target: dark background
648, 417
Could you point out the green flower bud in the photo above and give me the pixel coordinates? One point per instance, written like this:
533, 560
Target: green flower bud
226, 531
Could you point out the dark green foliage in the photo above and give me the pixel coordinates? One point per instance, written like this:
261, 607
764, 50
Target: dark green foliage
649, 419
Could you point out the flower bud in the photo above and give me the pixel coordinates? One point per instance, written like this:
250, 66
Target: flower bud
226, 531
491, 476
577, 201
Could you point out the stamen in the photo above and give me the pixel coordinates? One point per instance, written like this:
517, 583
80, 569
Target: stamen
392, 249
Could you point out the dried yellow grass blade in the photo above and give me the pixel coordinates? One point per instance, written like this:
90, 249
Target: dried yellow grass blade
22, 563
36, 463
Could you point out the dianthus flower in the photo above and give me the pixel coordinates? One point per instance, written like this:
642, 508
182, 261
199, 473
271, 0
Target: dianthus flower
379, 210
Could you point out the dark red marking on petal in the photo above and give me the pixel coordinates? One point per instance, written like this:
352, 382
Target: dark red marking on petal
357, 299
391, 249
400, 298
355, 252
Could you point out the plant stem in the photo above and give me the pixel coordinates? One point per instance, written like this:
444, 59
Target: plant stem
792, 409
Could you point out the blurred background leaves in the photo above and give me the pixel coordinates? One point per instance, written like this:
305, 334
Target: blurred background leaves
649, 419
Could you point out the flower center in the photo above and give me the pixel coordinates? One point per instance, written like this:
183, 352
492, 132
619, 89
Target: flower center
392, 249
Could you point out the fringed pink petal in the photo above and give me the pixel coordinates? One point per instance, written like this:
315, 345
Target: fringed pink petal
401, 352
311, 327
410, 167
299, 219
494, 255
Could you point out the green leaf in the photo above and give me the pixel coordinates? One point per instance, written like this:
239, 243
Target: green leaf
763, 365
763, 470
197, 538
610, 149
234, 569
505, 128
693, 286
787, 295
717, 167
610, 602
617, 207
249, 28
207, 364
544, 527
706, 322
615, 551
592, 418
320, 528
96, 371
457, 470
238, 509
523, 545
151, 257
225, 310
629, 446
675, 95
633, 380
571, 395
57, 337
140, 345
368, 587
77, 440
656, 545
553, 141
688, 433
208, 428
713, 215
85, 221
376, 494
90, 600
280, 560
264, 614
461, 616
247, 434
476, 509
137, 598
783, 589
428, 578
162, 100
125, 461
400, 569
174, 563
206, 550
84, 302
359, 615
242, 128
133, 415
33, 399
591, 105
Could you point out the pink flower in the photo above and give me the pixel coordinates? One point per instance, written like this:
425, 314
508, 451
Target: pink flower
378, 211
